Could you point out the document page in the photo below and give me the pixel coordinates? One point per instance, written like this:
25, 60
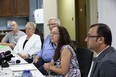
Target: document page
21, 67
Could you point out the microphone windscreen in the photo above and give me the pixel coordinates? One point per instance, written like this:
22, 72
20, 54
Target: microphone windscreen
7, 52
8, 57
2, 56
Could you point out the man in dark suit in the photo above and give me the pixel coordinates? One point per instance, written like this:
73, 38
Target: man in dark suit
99, 39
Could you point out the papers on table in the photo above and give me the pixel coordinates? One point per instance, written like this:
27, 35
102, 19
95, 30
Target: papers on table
4, 48
21, 67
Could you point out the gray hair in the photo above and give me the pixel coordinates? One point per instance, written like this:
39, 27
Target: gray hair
32, 24
56, 19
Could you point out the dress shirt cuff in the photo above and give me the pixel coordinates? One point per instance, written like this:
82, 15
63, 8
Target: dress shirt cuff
39, 54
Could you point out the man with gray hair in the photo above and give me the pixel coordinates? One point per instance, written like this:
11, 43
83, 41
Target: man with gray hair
46, 53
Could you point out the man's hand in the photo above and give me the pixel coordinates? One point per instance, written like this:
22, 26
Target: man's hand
12, 45
35, 59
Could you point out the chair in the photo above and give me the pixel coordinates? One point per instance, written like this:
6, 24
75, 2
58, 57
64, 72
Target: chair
84, 57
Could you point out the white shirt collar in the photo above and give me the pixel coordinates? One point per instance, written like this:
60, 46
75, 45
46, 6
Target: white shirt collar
102, 51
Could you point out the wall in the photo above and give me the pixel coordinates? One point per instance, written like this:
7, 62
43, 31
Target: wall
20, 20
66, 14
36, 4
93, 11
107, 15
50, 10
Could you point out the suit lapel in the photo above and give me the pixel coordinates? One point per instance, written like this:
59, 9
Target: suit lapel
29, 44
98, 59
94, 66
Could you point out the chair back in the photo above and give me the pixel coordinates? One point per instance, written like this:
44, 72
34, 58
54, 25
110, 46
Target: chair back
84, 57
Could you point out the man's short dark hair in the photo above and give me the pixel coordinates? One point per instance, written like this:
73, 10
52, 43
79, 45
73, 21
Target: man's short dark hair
104, 31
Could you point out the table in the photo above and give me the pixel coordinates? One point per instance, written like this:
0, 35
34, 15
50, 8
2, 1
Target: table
9, 71
4, 48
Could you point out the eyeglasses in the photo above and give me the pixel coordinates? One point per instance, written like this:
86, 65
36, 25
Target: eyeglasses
52, 24
92, 36
13, 24
54, 33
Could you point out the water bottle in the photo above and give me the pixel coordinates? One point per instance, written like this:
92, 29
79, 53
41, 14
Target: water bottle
26, 73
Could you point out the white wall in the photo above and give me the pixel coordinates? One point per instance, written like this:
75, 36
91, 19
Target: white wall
50, 10
66, 14
93, 11
107, 15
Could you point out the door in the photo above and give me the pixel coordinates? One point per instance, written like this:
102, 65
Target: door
80, 21
21, 7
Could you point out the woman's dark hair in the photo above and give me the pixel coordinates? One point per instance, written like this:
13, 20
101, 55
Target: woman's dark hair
64, 39
104, 31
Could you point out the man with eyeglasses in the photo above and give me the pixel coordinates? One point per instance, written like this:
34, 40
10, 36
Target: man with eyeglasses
47, 51
11, 38
99, 39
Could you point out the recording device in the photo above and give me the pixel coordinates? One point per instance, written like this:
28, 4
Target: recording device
15, 61
5, 57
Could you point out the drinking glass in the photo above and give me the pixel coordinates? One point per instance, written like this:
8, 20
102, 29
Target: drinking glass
49, 73
0, 70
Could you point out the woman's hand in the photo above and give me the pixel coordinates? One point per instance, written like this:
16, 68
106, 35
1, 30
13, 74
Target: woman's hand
47, 66
24, 56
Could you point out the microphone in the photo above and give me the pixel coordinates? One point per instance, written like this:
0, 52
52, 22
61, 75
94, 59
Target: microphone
5, 57
1, 55
7, 52
18, 61
8, 57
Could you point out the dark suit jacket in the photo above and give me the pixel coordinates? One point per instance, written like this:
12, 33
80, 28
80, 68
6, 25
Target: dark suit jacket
105, 64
